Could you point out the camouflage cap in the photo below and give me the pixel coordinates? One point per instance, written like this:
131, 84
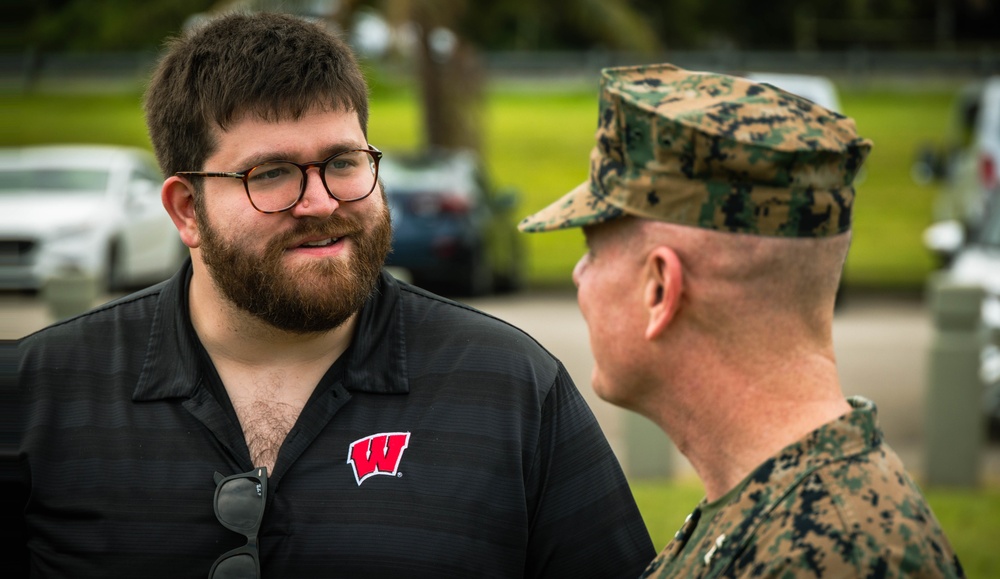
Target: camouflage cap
713, 151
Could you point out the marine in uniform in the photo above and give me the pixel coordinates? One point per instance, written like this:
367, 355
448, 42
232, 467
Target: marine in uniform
717, 215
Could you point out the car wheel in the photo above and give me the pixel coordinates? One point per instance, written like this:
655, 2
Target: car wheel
479, 280
112, 271
513, 279
993, 429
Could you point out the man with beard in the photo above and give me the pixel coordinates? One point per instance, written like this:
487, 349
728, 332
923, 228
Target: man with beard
282, 407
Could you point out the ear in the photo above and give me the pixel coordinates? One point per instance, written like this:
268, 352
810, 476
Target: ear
177, 196
664, 283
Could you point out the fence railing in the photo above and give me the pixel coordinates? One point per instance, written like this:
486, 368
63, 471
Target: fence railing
108, 71
856, 62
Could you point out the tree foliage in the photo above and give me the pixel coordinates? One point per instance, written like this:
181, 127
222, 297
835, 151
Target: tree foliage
633, 25
100, 25
559, 25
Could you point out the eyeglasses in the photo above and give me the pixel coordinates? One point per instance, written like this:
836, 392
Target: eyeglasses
239, 506
278, 186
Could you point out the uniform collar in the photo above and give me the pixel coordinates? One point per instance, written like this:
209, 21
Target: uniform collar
376, 360
852, 434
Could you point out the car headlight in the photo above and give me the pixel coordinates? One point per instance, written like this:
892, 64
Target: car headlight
72, 248
74, 230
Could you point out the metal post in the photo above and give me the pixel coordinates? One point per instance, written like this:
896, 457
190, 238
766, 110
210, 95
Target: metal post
69, 294
648, 451
954, 415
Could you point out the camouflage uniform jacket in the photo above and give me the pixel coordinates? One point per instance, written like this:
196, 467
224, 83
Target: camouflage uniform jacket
837, 503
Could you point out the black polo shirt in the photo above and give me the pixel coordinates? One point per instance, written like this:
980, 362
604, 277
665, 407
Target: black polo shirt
444, 443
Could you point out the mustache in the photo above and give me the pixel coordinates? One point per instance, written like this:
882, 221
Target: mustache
336, 225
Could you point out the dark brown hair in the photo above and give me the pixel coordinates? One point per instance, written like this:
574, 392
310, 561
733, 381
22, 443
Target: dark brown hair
274, 66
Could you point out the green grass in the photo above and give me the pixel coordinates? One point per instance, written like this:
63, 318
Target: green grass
67, 118
539, 142
891, 211
970, 518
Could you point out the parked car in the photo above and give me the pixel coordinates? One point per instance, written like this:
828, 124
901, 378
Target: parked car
967, 165
818, 89
83, 209
965, 230
453, 232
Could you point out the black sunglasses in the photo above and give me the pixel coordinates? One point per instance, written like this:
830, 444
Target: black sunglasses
239, 506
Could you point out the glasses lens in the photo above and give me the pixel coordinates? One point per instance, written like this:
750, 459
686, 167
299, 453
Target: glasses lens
351, 175
274, 186
238, 566
240, 503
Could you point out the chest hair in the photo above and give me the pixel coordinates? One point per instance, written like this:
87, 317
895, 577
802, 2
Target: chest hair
266, 424
267, 411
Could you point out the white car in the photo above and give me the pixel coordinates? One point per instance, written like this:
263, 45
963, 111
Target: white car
968, 166
83, 209
818, 89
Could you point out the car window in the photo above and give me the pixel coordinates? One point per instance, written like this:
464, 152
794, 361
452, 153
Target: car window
409, 178
139, 175
143, 191
817, 89
61, 180
150, 171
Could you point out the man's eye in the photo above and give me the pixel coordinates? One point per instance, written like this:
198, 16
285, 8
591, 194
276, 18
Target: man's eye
345, 162
270, 172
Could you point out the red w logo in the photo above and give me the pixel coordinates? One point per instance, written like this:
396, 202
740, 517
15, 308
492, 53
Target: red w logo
377, 454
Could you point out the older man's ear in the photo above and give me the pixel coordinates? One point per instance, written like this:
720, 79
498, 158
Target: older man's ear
664, 283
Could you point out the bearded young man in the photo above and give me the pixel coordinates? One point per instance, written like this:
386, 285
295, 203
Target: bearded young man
281, 407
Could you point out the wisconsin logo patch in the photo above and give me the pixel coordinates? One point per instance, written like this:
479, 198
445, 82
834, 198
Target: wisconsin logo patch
377, 454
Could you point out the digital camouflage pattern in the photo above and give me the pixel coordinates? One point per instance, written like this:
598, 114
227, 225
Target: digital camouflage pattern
713, 151
835, 504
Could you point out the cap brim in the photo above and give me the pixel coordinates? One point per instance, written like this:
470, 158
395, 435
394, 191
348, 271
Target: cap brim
578, 208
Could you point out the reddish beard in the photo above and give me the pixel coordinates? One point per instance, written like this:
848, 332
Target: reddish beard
317, 297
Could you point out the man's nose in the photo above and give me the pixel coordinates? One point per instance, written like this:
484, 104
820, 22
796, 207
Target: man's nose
316, 200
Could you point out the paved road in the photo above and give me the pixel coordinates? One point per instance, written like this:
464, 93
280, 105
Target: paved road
881, 347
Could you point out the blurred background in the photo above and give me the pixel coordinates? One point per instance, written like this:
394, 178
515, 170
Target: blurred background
486, 112
515, 82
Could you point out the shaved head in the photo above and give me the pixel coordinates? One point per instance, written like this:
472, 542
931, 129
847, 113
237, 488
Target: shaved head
733, 278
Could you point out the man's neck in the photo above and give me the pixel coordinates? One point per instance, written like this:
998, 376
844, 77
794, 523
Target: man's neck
729, 420
233, 336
